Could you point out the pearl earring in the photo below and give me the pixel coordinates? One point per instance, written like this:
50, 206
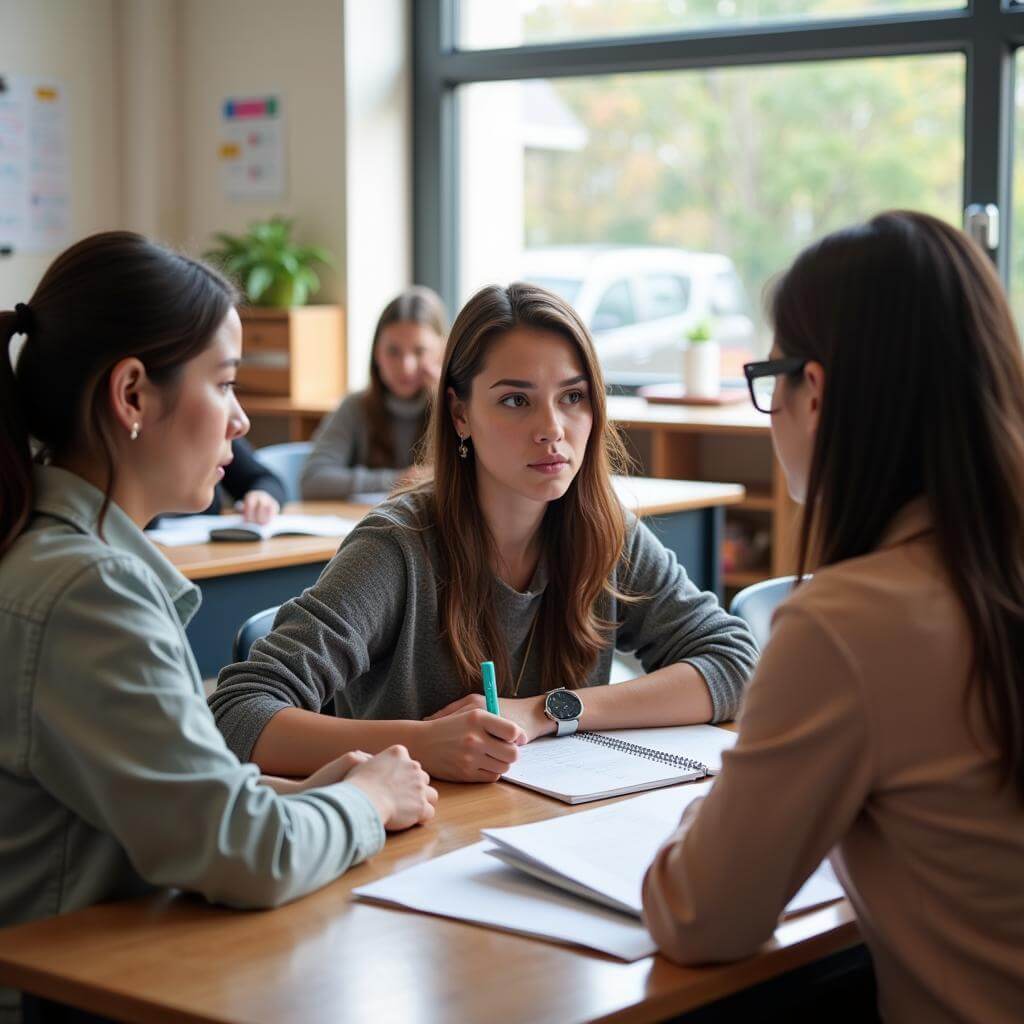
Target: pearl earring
134, 434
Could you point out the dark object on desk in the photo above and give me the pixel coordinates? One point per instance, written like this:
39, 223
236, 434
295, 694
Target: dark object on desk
675, 394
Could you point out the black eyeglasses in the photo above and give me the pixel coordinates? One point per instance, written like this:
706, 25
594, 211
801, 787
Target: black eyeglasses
762, 377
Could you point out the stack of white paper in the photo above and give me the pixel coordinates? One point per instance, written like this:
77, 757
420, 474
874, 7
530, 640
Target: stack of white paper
598, 858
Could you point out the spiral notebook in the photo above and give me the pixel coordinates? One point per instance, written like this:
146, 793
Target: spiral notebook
595, 765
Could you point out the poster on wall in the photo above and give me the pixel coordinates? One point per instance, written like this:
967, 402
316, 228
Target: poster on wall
35, 173
252, 147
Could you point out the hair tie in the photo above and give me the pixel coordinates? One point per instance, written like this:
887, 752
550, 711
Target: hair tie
22, 319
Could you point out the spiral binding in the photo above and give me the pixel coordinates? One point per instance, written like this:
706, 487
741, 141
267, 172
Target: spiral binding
673, 760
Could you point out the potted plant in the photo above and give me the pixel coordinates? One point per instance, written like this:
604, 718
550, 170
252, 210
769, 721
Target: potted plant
271, 269
701, 369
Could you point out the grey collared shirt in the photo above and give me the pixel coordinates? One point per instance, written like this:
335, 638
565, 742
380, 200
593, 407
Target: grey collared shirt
113, 776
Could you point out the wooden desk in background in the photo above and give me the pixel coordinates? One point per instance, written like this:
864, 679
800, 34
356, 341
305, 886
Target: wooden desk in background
730, 442
239, 579
327, 959
674, 442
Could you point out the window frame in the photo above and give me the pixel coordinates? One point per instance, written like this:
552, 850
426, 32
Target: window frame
986, 32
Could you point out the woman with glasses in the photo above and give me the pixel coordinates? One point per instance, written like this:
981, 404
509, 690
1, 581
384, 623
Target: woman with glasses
885, 722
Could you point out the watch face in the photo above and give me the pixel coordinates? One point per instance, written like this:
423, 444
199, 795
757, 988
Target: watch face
564, 705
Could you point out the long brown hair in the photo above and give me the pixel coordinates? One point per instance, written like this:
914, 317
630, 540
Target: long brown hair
417, 305
108, 297
583, 532
924, 397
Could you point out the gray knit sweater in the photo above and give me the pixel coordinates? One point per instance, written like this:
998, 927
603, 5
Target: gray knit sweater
368, 632
337, 466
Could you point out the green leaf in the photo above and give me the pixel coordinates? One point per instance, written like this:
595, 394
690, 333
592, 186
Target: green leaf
314, 254
310, 279
257, 282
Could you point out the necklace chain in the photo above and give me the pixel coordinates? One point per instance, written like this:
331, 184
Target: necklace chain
526, 656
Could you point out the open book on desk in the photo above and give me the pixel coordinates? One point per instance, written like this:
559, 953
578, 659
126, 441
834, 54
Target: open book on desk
200, 529
595, 765
603, 854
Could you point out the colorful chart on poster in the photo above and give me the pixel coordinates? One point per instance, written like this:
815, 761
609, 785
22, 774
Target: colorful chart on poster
252, 147
35, 173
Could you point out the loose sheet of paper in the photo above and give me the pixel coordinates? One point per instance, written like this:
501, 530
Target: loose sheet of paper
608, 850
471, 886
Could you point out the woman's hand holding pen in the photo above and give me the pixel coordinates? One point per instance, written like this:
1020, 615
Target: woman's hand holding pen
526, 712
467, 744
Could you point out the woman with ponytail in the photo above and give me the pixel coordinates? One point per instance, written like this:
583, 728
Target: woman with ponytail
885, 722
113, 776
515, 550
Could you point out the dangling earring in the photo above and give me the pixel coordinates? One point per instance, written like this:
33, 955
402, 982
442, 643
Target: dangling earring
134, 434
463, 450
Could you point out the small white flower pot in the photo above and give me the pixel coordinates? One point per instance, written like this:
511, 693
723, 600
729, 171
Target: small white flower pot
701, 369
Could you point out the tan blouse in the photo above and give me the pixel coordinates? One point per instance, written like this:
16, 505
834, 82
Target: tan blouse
859, 736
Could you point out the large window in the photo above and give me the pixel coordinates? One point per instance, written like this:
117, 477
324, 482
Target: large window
552, 21
658, 161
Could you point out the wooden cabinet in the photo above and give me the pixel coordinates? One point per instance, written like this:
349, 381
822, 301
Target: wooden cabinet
298, 353
726, 444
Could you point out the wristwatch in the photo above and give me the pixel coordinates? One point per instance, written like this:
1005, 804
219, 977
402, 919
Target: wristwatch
564, 708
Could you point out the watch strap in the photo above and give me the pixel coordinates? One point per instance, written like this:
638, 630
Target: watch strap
566, 728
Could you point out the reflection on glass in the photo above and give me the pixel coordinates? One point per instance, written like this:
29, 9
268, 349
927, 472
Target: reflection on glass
500, 23
658, 201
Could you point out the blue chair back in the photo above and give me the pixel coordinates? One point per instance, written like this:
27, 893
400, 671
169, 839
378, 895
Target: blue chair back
286, 460
756, 604
251, 630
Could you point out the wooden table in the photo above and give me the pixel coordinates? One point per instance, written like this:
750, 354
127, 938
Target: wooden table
239, 579
328, 959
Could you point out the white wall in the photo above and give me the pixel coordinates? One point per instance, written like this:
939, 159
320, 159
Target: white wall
378, 179
147, 79
75, 42
152, 151
243, 47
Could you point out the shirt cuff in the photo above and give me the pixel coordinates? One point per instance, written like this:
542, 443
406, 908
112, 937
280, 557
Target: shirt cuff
241, 722
363, 820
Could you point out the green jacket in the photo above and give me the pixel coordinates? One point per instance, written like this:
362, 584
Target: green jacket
113, 776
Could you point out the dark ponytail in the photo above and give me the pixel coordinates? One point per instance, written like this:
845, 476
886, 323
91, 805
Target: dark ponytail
108, 297
15, 453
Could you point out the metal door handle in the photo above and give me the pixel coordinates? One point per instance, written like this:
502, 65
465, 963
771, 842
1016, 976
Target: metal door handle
981, 222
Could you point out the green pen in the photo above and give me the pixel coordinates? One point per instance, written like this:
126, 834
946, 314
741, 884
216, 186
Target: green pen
490, 687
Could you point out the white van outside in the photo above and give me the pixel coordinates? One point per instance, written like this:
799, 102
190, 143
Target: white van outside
639, 302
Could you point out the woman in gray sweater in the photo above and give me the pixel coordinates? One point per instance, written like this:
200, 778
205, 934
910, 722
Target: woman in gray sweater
516, 551
368, 444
